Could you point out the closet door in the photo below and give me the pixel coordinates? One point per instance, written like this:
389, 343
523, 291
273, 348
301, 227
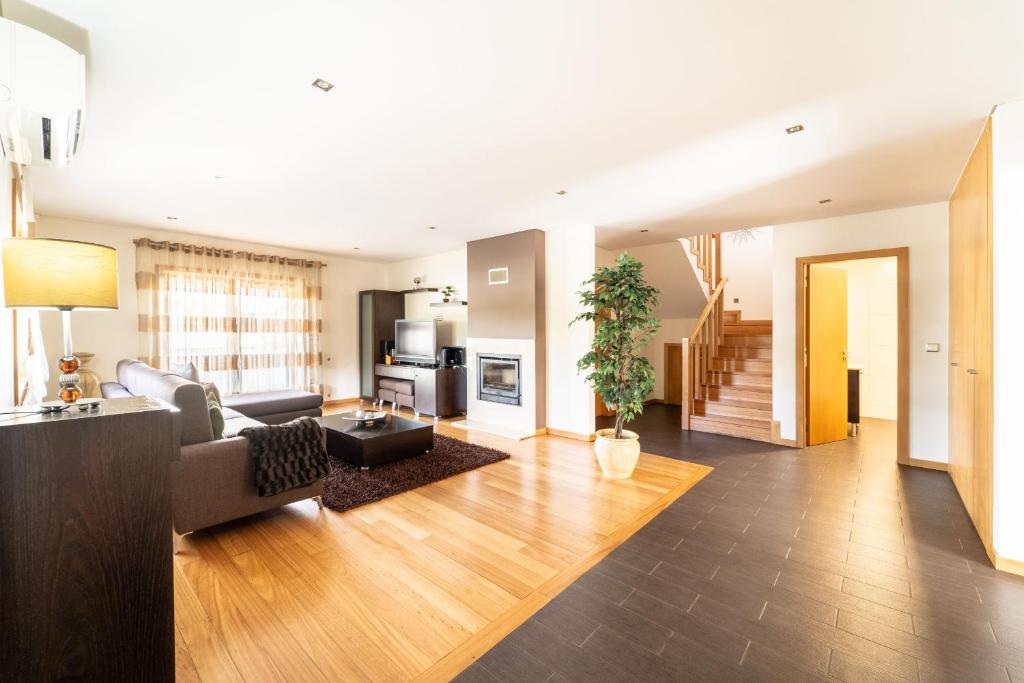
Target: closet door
970, 337
980, 372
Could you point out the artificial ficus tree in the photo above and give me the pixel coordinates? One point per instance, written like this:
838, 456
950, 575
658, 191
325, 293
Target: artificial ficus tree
621, 304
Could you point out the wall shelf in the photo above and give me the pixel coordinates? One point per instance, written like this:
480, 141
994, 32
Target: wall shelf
419, 290
450, 304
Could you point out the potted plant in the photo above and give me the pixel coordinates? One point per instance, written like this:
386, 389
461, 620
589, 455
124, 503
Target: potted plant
447, 293
621, 304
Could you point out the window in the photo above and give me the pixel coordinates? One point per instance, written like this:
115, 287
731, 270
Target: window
249, 323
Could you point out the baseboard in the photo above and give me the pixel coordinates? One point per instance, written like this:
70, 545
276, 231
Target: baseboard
571, 435
777, 436
929, 464
1005, 564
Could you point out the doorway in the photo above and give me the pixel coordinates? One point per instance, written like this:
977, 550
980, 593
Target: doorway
852, 350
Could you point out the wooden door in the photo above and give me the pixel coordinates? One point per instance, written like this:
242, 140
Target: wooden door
674, 374
826, 354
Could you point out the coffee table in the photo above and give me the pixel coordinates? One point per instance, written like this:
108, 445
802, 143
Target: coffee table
390, 439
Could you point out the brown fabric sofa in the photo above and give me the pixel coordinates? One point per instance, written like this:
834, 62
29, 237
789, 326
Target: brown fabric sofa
212, 479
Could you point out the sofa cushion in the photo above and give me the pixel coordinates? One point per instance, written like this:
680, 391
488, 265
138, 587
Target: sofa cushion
188, 397
186, 371
399, 386
271, 402
230, 413
216, 416
236, 424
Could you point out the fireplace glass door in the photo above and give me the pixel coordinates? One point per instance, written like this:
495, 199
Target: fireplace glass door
499, 379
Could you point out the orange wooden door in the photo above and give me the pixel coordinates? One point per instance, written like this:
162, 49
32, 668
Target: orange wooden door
674, 374
826, 355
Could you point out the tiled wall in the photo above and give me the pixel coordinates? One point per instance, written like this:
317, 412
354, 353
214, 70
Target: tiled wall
872, 325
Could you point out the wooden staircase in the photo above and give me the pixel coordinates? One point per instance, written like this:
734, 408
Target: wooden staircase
737, 397
727, 361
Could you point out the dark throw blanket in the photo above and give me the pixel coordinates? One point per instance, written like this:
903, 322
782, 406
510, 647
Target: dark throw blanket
287, 456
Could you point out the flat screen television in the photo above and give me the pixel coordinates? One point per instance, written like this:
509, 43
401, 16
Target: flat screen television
416, 341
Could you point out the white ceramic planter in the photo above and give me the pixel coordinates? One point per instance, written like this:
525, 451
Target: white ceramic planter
617, 456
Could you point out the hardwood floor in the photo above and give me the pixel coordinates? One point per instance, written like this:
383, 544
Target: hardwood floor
828, 563
412, 587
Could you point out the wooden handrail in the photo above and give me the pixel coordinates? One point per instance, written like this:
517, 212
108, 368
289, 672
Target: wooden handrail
709, 307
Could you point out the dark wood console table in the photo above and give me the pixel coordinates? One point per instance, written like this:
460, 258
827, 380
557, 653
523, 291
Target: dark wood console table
86, 585
440, 392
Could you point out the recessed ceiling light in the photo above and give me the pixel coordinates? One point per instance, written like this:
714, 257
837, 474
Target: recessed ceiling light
432, 227
795, 129
218, 177
644, 230
824, 201
323, 85
561, 192
172, 218
356, 248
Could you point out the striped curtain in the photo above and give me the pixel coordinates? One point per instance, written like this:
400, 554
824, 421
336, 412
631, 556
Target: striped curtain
248, 322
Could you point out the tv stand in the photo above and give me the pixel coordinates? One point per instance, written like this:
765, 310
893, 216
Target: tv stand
438, 392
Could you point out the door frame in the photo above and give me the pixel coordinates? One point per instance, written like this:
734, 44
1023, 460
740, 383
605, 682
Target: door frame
902, 255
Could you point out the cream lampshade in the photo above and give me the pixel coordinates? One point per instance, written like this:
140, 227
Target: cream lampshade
62, 275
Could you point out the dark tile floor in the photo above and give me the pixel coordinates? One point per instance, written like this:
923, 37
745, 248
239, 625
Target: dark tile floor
821, 564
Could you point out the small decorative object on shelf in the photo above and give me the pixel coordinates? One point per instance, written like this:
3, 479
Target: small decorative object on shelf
416, 282
88, 380
447, 293
364, 418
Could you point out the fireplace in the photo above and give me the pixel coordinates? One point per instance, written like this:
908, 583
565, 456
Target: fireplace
499, 379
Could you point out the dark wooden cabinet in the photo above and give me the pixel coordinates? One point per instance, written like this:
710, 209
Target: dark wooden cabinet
378, 311
438, 391
86, 583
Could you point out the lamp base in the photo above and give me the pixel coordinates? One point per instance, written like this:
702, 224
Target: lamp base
68, 381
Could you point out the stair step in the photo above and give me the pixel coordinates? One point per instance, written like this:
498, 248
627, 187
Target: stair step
747, 394
732, 427
760, 366
732, 317
739, 379
748, 340
761, 413
762, 352
748, 327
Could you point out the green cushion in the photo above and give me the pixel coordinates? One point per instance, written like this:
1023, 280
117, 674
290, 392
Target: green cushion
216, 416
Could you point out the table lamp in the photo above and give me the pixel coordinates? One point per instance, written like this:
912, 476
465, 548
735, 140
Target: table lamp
61, 275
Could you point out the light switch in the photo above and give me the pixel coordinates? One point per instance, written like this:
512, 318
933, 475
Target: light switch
931, 347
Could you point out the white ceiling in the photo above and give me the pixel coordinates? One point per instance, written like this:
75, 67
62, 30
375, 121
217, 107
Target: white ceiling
469, 115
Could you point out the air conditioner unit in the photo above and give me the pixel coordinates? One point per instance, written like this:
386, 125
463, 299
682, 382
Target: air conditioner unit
42, 97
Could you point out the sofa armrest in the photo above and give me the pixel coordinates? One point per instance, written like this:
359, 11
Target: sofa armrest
114, 390
213, 482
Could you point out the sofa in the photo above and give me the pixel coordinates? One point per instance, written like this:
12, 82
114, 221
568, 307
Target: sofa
212, 480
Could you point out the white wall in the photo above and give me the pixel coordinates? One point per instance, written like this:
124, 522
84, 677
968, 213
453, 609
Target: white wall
439, 270
113, 335
748, 268
1008, 281
873, 332
925, 230
570, 258
6, 319
672, 330
682, 298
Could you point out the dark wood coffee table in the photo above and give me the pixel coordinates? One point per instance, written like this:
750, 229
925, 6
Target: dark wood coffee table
390, 439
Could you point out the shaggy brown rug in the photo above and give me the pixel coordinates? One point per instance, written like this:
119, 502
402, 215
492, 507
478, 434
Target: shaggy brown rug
347, 486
